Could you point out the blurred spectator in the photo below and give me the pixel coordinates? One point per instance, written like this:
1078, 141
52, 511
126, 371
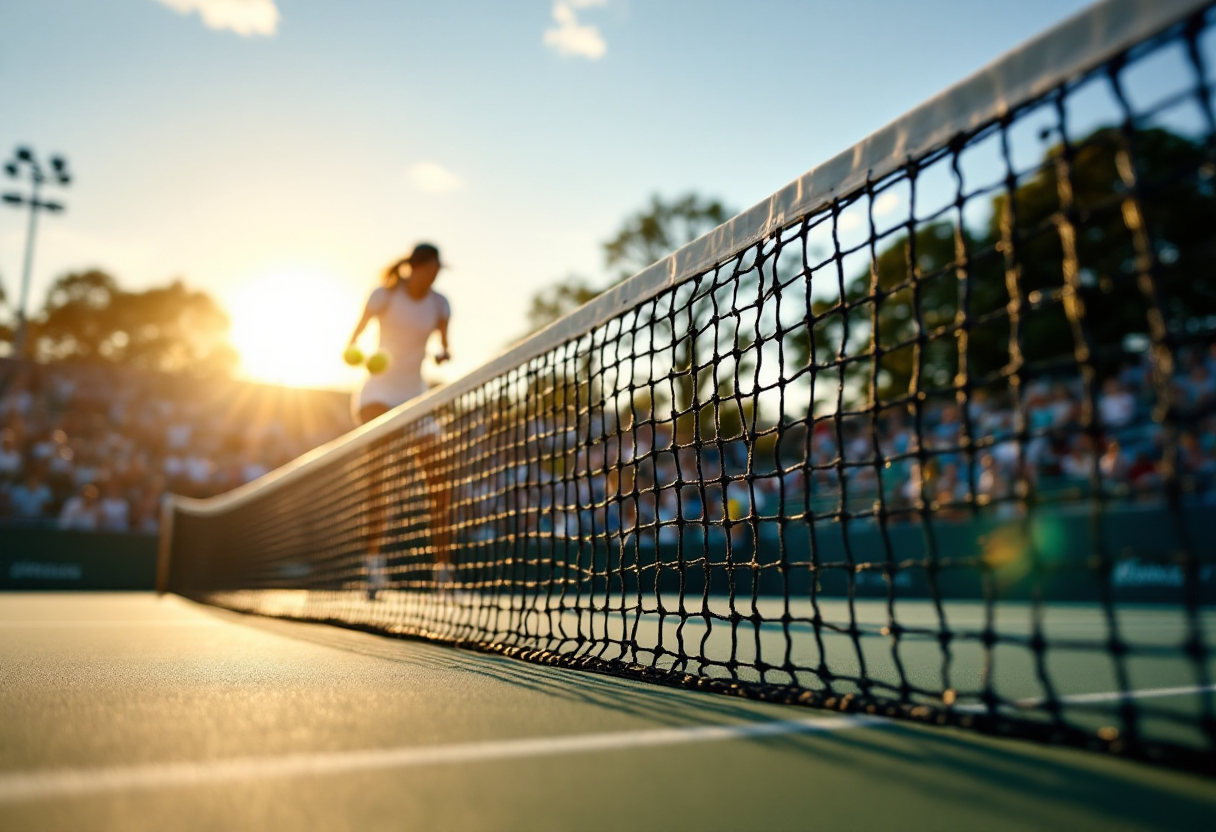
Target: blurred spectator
992, 483
1079, 460
148, 505
114, 511
19, 399
1199, 388
11, 462
82, 512
1063, 406
1142, 473
1113, 463
31, 499
1116, 406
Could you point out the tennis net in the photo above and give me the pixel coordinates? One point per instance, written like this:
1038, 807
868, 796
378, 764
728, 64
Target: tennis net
930, 434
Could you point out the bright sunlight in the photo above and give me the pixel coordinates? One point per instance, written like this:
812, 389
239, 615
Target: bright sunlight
290, 327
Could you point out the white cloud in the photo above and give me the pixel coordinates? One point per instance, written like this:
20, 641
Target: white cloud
433, 178
569, 37
245, 17
849, 221
887, 202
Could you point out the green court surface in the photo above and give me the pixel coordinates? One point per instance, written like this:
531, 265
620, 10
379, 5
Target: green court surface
128, 711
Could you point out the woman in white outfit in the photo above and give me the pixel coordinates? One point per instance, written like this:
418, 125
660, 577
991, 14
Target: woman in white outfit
408, 311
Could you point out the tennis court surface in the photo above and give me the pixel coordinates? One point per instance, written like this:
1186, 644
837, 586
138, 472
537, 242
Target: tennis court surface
125, 711
888, 502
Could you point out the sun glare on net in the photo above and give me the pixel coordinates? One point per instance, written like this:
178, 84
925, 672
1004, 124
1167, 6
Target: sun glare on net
290, 327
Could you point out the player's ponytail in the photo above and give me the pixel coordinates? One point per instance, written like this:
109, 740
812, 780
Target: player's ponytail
392, 274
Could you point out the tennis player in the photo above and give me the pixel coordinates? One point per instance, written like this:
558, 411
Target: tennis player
409, 311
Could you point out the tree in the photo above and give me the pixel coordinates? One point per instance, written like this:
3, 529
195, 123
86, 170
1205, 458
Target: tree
644, 237
88, 317
1092, 187
6, 327
648, 235
558, 300
659, 229
944, 292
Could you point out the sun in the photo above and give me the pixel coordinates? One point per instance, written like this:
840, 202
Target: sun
290, 327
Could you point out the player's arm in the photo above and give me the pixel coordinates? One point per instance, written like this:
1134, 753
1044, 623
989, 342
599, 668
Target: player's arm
443, 354
368, 314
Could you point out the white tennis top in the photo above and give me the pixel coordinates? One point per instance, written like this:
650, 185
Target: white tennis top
405, 327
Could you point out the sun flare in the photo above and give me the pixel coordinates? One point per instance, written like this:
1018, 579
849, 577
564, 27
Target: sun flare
290, 327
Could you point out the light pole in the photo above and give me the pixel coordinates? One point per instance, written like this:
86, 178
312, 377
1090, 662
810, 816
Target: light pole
25, 160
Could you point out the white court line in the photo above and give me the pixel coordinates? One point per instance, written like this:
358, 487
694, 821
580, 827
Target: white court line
59, 783
1106, 696
1119, 696
135, 622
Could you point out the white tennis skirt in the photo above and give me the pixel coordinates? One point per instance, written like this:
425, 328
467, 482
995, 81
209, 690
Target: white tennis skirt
393, 392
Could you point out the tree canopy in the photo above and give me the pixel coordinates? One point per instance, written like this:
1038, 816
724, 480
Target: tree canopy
6, 327
660, 228
1077, 291
644, 237
87, 316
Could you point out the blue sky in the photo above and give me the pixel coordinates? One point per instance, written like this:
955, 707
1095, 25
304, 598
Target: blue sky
253, 145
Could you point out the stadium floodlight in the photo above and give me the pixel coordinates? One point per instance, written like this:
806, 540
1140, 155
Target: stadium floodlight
60, 166
24, 159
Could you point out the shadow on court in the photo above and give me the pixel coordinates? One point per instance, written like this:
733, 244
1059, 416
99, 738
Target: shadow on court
105, 684
1036, 786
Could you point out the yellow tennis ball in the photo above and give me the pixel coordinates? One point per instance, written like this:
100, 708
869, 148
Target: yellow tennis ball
353, 356
378, 363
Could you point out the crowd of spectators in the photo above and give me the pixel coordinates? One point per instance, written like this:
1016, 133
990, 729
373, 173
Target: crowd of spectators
96, 449
1058, 456
945, 459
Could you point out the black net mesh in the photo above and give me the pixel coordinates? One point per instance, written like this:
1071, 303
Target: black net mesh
943, 449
